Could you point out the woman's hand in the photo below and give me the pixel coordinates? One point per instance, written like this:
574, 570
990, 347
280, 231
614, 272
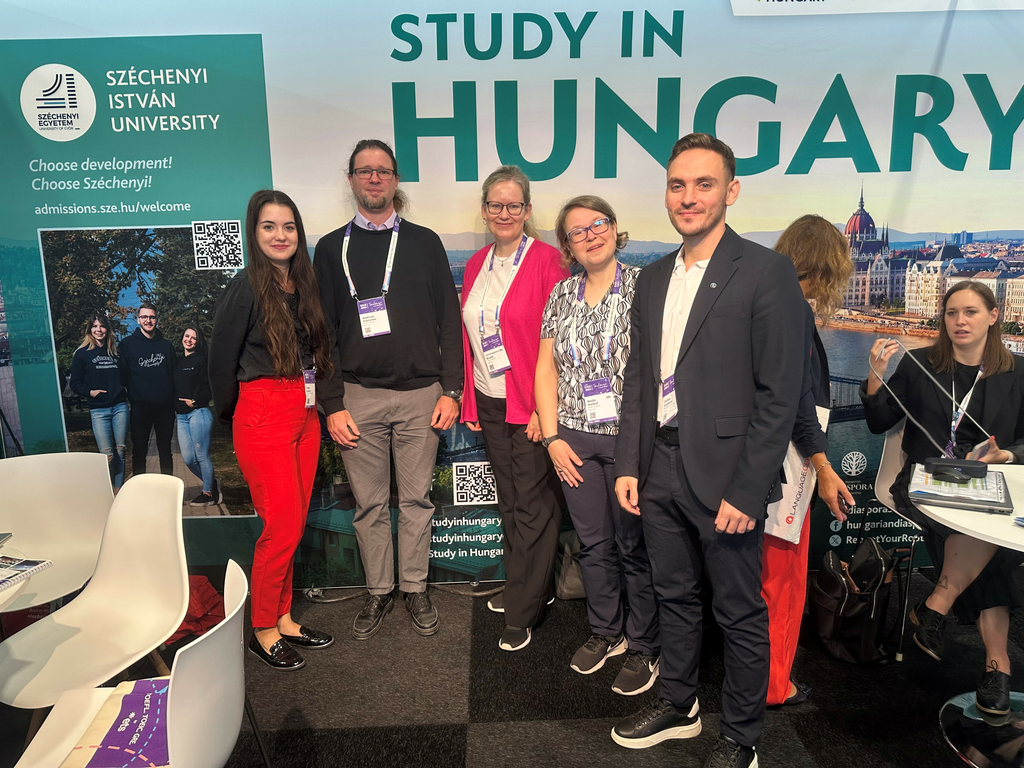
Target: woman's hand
993, 455
189, 403
830, 488
565, 460
533, 428
94, 392
474, 426
878, 360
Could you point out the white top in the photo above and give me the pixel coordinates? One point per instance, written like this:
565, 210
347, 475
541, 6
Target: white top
995, 529
492, 386
682, 288
364, 223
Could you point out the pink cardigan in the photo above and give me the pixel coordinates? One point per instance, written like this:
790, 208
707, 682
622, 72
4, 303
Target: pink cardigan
520, 327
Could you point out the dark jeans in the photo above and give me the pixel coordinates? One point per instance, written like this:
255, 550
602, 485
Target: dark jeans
683, 545
145, 417
613, 555
530, 506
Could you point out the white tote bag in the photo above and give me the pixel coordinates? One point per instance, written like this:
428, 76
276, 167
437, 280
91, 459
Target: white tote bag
786, 516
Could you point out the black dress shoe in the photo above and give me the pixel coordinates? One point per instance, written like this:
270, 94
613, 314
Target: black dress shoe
280, 656
369, 620
423, 612
993, 696
931, 630
309, 638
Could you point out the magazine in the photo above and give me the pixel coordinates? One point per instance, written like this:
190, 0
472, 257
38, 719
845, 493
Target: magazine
14, 570
984, 494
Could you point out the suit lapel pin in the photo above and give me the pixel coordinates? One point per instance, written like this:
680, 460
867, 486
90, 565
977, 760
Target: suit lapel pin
714, 285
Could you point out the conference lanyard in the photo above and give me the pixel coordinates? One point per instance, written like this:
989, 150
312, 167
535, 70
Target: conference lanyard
387, 269
958, 414
609, 321
308, 381
504, 293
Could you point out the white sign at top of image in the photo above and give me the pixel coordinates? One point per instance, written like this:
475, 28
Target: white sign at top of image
818, 7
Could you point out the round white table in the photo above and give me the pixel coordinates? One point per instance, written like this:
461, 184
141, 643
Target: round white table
976, 740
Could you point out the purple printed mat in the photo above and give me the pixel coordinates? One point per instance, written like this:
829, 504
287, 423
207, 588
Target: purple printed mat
138, 736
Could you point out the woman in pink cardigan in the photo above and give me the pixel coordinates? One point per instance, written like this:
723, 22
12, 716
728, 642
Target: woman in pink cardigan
504, 291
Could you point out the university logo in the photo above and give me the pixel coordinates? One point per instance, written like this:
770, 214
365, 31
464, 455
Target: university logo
58, 102
854, 463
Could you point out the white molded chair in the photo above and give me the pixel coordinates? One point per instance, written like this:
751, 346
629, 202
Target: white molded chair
892, 461
56, 505
204, 703
136, 599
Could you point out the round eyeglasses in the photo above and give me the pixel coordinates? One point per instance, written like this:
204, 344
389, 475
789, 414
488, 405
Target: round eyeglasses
495, 208
579, 234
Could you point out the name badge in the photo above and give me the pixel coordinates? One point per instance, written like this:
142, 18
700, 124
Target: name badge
494, 355
373, 317
669, 408
309, 384
599, 400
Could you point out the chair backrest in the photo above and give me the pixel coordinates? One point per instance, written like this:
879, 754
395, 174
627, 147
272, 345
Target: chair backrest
56, 505
143, 547
892, 461
207, 691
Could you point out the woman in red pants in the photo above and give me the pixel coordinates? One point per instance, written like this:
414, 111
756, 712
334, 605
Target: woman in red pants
821, 256
269, 344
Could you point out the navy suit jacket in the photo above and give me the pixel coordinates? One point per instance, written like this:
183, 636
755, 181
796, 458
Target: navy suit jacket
737, 378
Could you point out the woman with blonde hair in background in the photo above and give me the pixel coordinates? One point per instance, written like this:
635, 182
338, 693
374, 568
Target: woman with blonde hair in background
821, 256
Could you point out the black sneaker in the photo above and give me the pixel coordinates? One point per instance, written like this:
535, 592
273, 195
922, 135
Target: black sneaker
423, 612
369, 620
514, 638
496, 603
931, 630
993, 695
637, 674
728, 754
202, 500
592, 654
655, 723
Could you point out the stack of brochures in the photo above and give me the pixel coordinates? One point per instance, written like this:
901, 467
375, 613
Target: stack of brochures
14, 570
983, 494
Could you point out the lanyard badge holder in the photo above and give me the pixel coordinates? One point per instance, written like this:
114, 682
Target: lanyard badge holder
598, 399
373, 313
308, 382
495, 356
958, 413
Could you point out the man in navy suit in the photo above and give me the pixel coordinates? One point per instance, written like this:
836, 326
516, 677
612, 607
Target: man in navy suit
709, 402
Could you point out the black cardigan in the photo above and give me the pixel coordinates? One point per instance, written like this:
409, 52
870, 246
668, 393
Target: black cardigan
996, 404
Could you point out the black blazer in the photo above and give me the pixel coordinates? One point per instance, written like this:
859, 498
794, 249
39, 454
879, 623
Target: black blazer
738, 374
996, 404
808, 436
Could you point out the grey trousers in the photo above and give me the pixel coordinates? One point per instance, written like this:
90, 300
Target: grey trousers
392, 420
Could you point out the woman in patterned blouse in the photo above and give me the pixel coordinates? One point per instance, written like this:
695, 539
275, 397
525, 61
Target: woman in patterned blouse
583, 350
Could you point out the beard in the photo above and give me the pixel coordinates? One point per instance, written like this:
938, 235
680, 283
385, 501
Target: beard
712, 218
373, 204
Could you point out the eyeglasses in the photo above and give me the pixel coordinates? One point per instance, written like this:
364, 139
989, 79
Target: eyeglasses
384, 174
144, 318
495, 208
579, 234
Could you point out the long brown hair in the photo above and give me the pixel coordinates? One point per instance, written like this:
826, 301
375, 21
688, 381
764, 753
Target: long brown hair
996, 359
821, 256
277, 325
90, 343
593, 203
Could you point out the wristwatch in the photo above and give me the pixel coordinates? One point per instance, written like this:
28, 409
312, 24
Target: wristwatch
454, 394
546, 441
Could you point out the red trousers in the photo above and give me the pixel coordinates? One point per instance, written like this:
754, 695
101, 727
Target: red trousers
784, 588
277, 443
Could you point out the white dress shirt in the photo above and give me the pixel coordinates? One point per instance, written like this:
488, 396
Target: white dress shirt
682, 288
365, 223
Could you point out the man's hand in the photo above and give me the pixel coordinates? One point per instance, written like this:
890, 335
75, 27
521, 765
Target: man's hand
185, 400
731, 520
830, 488
445, 413
343, 429
627, 494
95, 392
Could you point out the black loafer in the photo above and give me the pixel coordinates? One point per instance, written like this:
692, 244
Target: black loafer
309, 638
280, 656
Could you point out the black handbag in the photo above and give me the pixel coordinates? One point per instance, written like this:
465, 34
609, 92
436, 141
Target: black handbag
849, 603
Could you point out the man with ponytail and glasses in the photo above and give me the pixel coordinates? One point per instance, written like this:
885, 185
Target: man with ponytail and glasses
391, 302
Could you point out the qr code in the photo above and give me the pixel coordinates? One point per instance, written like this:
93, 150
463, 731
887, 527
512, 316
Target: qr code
473, 482
217, 244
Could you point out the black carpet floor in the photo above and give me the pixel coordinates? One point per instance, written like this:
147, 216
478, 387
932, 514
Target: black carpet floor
455, 699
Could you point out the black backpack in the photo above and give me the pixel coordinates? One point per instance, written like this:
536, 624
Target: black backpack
849, 603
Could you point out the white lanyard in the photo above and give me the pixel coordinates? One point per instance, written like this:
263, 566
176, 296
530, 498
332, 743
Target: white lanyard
608, 323
958, 415
504, 293
387, 268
